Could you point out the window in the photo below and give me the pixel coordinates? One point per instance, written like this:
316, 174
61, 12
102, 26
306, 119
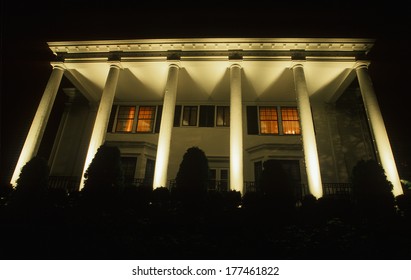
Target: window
218, 179
129, 168
223, 116
149, 173
268, 120
145, 121
258, 170
190, 116
290, 120
223, 180
125, 118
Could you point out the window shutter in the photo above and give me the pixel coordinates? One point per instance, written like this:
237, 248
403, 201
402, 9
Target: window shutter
111, 119
252, 120
177, 115
206, 116
158, 119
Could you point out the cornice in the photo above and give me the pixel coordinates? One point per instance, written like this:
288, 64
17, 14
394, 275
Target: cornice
213, 45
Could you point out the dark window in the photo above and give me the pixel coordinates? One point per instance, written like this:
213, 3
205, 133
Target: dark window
224, 175
206, 116
258, 170
212, 179
149, 173
252, 120
223, 116
190, 116
129, 168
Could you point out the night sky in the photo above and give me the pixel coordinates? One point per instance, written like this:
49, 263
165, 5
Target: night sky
27, 27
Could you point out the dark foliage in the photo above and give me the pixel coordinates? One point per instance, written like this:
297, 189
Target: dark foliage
371, 189
404, 204
34, 176
105, 175
161, 198
277, 188
32, 184
192, 178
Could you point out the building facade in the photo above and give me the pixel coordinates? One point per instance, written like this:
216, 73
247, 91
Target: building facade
308, 104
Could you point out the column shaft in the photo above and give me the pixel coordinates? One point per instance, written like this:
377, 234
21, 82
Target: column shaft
103, 114
236, 130
166, 126
307, 132
35, 134
376, 122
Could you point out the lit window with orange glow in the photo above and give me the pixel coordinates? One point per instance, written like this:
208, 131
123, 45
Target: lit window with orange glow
268, 120
125, 118
145, 118
290, 120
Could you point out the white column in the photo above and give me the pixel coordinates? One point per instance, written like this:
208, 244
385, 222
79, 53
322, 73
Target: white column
377, 126
307, 132
103, 114
35, 134
166, 127
236, 130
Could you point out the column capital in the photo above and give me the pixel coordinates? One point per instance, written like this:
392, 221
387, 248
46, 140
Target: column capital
116, 64
361, 64
297, 63
59, 65
175, 64
236, 64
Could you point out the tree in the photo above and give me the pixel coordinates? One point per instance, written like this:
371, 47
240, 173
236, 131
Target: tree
371, 189
34, 176
32, 183
105, 175
192, 176
30, 198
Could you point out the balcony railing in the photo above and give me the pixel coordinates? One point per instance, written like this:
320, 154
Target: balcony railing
336, 190
68, 183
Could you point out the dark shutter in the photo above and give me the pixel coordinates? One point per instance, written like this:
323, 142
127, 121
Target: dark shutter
206, 116
177, 116
252, 120
112, 117
158, 119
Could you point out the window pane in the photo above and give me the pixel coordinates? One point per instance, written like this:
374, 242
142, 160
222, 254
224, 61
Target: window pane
145, 119
190, 116
290, 120
149, 173
223, 116
268, 120
125, 118
224, 179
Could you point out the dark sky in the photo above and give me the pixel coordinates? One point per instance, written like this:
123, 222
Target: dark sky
26, 27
